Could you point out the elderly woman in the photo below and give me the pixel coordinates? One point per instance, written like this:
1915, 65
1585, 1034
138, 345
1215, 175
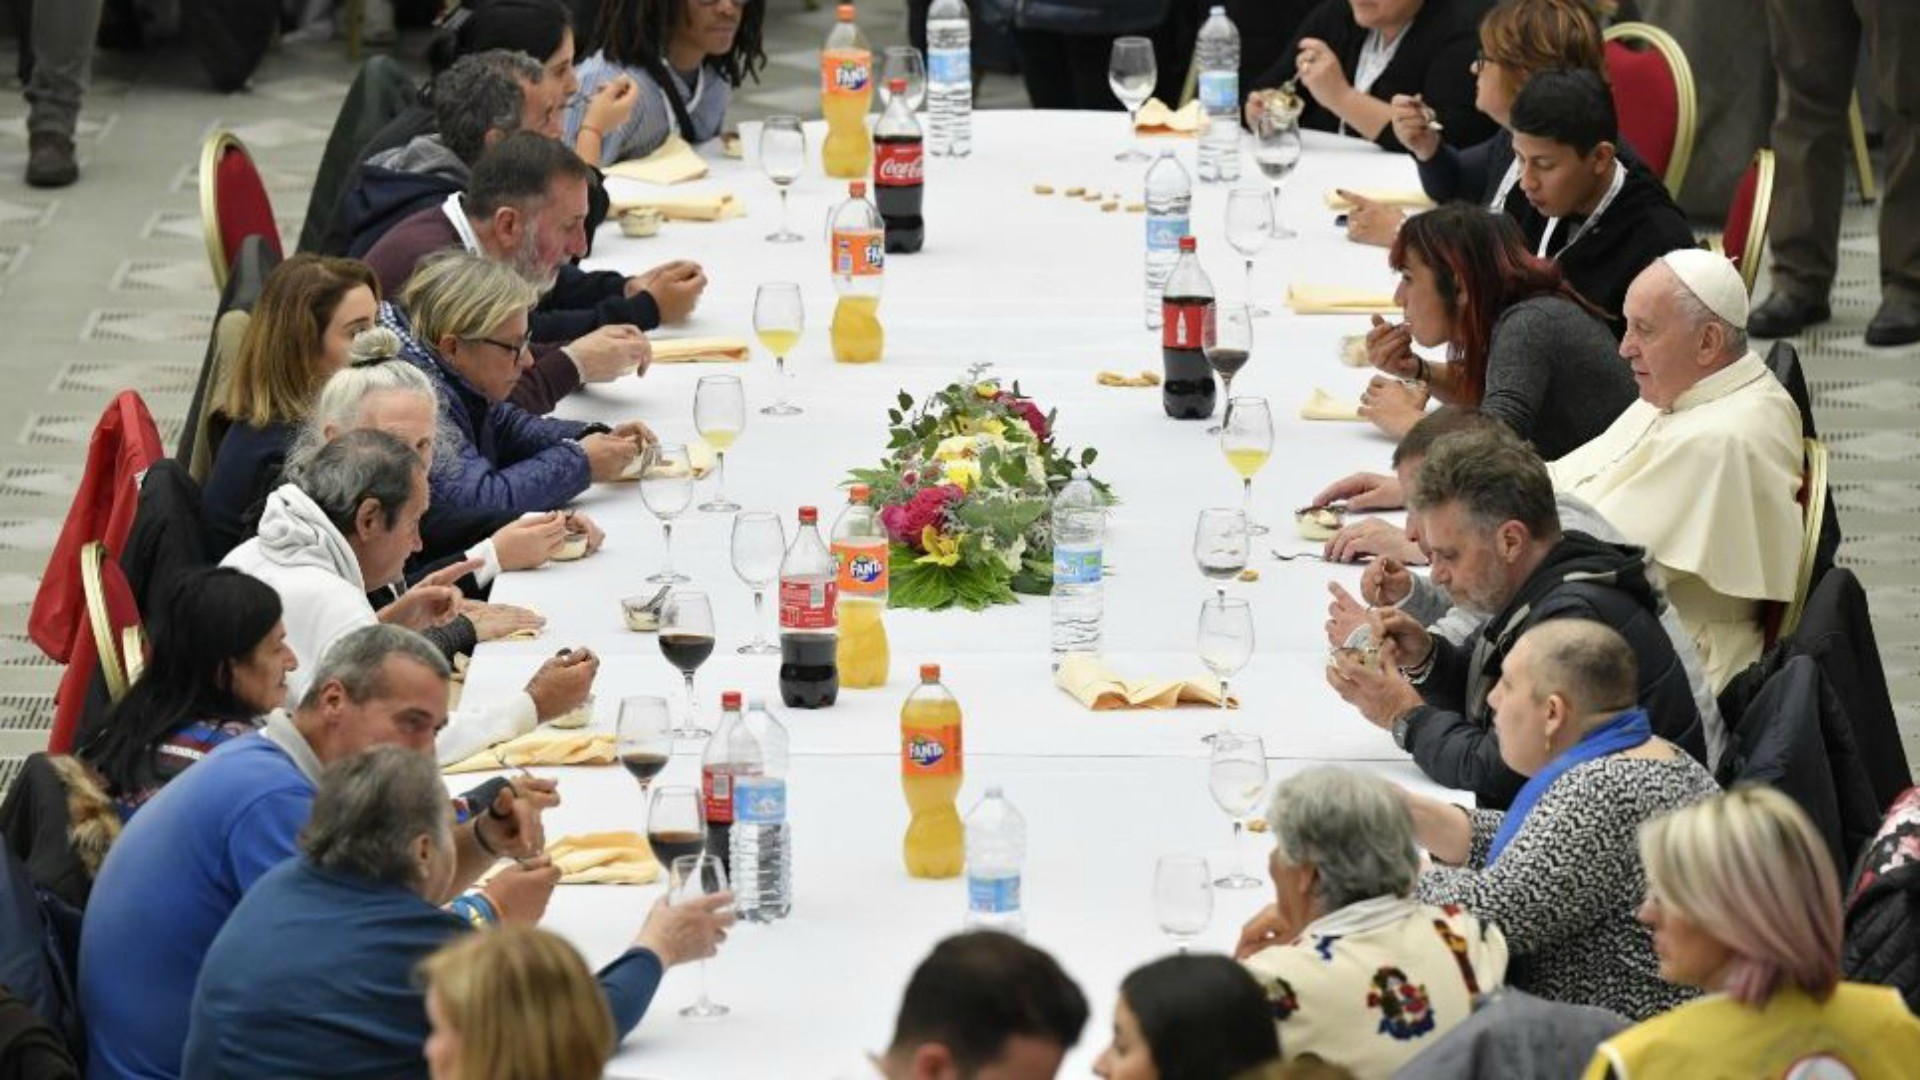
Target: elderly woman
1357, 970
1558, 869
318, 961
1744, 904
516, 1003
465, 326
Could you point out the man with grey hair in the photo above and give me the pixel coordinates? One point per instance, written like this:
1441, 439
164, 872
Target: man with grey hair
1487, 512
1705, 469
1344, 929
184, 861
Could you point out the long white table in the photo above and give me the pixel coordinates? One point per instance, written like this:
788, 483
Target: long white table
1050, 291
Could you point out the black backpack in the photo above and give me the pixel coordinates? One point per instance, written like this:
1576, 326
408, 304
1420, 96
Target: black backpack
39, 958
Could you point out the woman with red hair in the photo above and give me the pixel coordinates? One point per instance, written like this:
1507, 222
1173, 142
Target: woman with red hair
1520, 342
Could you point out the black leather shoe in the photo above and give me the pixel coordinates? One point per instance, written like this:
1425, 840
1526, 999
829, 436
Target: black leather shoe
1896, 323
50, 160
1783, 315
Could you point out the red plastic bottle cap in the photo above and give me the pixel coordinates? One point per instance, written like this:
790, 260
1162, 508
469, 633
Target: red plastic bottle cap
845, 12
896, 86
929, 672
859, 493
809, 515
857, 189
1186, 243
730, 700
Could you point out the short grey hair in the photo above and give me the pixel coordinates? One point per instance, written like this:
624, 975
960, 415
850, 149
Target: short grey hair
1697, 313
1353, 827
370, 809
1493, 476
358, 662
377, 368
481, 92
359, 465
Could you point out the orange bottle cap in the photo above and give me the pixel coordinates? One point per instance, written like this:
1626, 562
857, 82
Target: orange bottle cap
845, 12
929, 672
857, 189
859, 493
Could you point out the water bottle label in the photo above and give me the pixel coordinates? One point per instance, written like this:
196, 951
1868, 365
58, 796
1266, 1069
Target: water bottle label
1220, 91
1186, 326
993, 896
845, 72
807, 605
859, 252
950, 66
930, 751
759, 800
716, 787
1077, 567
1164, 232
860, 569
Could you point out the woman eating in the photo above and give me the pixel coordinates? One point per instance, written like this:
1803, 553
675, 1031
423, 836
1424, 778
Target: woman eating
682, 60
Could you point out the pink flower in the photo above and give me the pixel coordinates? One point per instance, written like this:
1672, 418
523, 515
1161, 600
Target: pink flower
1028, 411
904, 522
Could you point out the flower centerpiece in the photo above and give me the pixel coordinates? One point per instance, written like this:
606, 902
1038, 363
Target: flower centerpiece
963, 495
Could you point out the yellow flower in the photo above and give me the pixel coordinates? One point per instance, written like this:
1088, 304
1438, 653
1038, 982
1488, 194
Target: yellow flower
995, 427
954, 447
963, 472
941, 550
986, 390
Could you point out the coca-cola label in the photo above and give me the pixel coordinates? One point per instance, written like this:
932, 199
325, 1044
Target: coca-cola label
859, 252
807, 605
1185, 325
899, 164
716, 785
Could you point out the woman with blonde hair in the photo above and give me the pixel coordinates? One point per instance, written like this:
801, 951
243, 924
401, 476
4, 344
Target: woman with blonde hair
515, 1003
1745, 904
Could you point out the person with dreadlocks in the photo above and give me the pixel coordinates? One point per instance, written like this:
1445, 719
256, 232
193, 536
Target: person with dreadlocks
684, 56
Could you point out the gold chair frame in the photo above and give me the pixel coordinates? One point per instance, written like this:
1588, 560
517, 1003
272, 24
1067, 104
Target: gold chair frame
211, 152
113, 667
1816, 519
1688, 100
1862, 161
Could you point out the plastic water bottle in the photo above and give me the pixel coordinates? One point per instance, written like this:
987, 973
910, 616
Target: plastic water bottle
996, 847
762, 839
1079, 527
949, 79
1218, 51
1169, 217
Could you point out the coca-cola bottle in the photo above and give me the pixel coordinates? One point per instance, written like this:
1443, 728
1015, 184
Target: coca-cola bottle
809, 629
1185, 328
899, 172
724, 761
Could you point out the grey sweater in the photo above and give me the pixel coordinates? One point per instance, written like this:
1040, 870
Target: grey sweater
1554, 375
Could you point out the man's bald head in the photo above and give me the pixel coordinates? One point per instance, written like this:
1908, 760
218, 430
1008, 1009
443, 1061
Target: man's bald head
1674, 337
1587, 663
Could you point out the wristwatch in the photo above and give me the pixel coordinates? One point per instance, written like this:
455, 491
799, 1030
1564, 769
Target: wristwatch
1403, 727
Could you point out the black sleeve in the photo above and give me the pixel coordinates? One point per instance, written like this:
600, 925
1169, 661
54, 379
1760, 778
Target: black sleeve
581, 302
453, 638
1447, 85
1454, 751
1453, 174
1445, 686
1323, 22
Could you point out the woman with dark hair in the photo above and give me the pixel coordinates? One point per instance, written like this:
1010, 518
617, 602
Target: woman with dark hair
1521, 343
220, 663
1189, 1018
686, 57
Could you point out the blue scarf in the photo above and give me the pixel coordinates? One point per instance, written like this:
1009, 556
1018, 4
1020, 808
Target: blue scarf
1624, 732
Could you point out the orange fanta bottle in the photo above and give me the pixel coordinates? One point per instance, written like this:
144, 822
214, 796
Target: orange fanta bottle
930, 774
859, 256
846, 94
860, 572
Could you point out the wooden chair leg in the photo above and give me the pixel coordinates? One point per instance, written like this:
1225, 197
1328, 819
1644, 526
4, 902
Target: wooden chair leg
1862, 163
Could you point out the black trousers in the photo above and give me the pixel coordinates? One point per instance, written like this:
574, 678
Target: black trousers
1069, 71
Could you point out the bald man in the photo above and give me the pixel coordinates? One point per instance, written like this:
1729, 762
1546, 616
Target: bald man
1703, 470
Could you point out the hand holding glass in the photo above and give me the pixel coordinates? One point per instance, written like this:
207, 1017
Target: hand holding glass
695, 877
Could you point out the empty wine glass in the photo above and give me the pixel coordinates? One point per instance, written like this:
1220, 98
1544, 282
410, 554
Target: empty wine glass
695, 877
1132, 72
1276, 150
666, 486
759, 543
1221, 545
643, 737
686, 640
1227, 346
1237, 777
779, 317
1182, 897
903, 62
1249, 227
719, 414
1225, 645
783, 153
1247, 440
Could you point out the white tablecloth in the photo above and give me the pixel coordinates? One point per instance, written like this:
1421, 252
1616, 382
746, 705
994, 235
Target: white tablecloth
1049, 290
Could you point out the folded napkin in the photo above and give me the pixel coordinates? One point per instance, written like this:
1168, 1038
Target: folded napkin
1115, 378
709, 207
542, 746
699, 350
1324, 406
1334, 300
1154, 118
607, 858
1405, 198
1093, 684
699, 456
673, 163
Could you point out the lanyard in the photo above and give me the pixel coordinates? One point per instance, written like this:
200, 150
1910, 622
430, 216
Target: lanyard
1507, 183
699, 88
456, 212
1613, 192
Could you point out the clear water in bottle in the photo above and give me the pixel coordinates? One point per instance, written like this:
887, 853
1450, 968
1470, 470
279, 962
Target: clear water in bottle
1218, 52
996, 848
762, 847
1169, 217
1079, 602
949, 79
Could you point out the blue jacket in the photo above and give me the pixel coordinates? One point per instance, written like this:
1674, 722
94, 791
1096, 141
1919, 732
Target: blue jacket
503, 457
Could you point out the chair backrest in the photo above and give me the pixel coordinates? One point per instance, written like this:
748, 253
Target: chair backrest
1745, 236
233, 202
1784, 361
204, 442
1813, 501
258, 258
1654, 97
114, 619
382, 90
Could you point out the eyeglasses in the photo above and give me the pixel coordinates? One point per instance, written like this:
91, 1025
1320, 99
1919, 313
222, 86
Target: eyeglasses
515, 349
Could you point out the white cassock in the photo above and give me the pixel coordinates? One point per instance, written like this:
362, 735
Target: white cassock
1709, 487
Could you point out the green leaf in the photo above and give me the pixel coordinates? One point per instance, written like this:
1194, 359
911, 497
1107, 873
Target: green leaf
1087, 456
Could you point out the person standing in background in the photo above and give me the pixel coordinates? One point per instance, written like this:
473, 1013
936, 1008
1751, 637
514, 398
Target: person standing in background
63, 33
1064, 45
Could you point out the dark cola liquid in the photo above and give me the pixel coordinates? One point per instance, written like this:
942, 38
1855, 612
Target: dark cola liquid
668, 846
1227, 361
809, 670
644, 767
686, 651
898, 190
1186, 389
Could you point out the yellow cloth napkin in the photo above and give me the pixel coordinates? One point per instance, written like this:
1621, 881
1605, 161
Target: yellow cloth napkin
1093, 684
699, 350
709, 207
1154, 118
542, 746
1405, 198
673, 163
1324, 406
1334, 300
606, 858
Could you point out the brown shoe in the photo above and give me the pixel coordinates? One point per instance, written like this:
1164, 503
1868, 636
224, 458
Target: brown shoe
50, 160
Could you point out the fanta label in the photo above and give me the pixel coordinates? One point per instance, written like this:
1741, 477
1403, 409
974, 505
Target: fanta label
860, 569
899, 164
859, 252
1164, 231
930, 751
1186, 326
807, 605
1219, 91
849, 72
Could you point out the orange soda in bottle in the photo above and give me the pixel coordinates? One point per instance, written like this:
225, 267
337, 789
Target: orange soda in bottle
930, 775
860, 573
859, 260
846, 94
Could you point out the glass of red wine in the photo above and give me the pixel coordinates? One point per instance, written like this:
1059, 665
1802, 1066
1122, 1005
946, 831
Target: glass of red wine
1227, 349
643, 737
686, 640
675, 826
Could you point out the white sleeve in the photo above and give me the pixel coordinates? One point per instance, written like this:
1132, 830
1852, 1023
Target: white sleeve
470, 731
484, 552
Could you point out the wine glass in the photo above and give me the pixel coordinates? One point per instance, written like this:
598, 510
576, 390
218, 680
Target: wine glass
783, 153
1276, 150
694, 877
675, 825
666, 486
1225, 644
1221, 545
1237, 776
719, 414
686, 640
1132, 73
1247, 440
1227, 346
1249, 227
643, 737
759, 543
779, 317
903, 62
1182, 897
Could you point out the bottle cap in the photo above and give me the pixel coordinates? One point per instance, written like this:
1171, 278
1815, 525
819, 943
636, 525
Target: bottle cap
730, 700
857, 189
896, 86
809, 515
929, 672
844, 12
1186, 243
859, 493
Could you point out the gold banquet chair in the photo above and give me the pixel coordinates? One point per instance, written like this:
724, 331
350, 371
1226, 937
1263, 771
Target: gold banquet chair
115, 620
1654, 96
1813, 499
233, 203
1744, 240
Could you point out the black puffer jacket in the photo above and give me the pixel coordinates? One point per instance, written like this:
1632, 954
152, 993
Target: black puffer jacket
1452, 736
1883, 905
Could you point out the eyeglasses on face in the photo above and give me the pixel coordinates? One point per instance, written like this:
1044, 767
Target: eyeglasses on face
511, 347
